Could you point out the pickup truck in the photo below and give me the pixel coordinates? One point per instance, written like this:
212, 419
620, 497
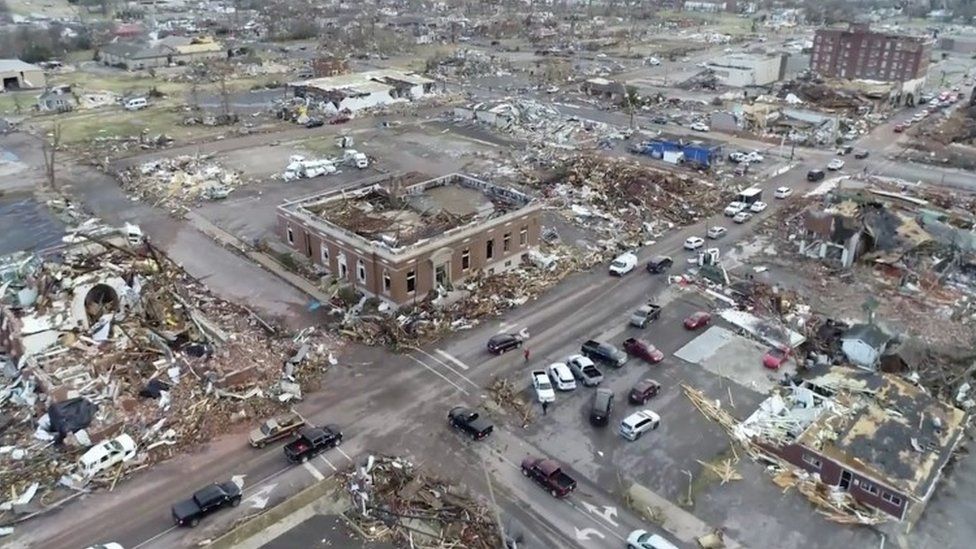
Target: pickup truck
312, 441
276, 428
206, 501
549, 474
584, 370
470, 422
543, 387
645, 314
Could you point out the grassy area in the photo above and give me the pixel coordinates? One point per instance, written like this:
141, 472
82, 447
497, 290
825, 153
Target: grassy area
722, 23
81, 127
9, 101
322, 146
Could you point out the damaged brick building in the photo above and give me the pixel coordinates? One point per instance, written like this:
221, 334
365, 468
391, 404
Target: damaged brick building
399, 239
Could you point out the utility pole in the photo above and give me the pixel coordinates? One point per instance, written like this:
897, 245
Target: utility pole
494, 506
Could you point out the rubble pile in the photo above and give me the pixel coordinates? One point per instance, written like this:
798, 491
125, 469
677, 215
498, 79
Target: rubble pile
179, 181
625, 195
396, 502
112, 348
504, 393
538, 124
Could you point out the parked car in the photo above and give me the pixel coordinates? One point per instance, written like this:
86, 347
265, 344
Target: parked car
276, 428
835, 164
815, 175
469, 422
716, 232
783, 192
548, 474
502, 343
846, 149
623, 264
561, 376
584, 370
603, 352
694, 242
543, 387
635, 425
601, 407
642, 539
697, 320
645, 314
643, 349
774, 358
660, 120
753, 157
758, 206
205, 502
742, 217
659, 264
105, 455
314, 123
311, 442
734, 208
643, 390
862, 154
736, 157
898, 128
340, 120
699, 127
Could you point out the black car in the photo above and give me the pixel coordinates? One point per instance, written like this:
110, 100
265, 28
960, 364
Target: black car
659, 264
659, 120
206, 501
603, 352
314, 123
502, 343
601, 407
312, 441
470, 422
862, 154
815, 175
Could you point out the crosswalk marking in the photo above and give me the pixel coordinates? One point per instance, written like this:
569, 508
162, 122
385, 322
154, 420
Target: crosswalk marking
329, 463
343, 453
315, 472
451, 357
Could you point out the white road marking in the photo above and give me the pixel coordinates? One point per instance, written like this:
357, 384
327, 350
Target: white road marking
259, 499
154, 538
506, 327
344, 454
585, 533
607, 514
446, 365
452, 358
314, 472
329, 463
438, 374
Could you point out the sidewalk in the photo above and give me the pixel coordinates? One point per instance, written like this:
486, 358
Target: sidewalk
678, 522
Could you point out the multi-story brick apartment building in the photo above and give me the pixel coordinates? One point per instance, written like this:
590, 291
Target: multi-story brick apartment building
860, 53
398, 239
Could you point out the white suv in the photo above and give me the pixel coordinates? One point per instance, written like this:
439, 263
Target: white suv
561, 377
638, 423
734, 208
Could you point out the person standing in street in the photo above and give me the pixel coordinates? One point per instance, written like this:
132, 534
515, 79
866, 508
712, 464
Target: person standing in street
545, 408
526, 354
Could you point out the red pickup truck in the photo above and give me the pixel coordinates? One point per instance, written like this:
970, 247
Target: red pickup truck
549, 474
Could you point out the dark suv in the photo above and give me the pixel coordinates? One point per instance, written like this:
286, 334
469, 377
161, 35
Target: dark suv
503, 343
601, 407
659, 264
643, 390
815, 175
603, 352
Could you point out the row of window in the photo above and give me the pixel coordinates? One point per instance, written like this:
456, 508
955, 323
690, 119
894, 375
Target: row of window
864, 485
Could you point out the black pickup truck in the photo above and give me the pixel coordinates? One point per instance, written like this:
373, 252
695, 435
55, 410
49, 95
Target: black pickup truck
470, 422
206, 501
312, 441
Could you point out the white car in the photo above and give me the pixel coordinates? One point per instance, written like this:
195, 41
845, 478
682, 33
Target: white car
699, 127
734, 208
758, 206
716, 232
754, 156
642, 539
694, 242
742, 217
552, 89
783, 192
653, 61
561, 376
835, 164
542, 386
623, 264
638, 423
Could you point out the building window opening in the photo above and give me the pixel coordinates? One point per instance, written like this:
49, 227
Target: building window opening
411, 281
343, 269
490, 250
291, 237
387, 283
360, 271
524, 236
465, 259
507, 242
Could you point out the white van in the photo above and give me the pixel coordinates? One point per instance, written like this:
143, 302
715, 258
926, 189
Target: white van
136, 103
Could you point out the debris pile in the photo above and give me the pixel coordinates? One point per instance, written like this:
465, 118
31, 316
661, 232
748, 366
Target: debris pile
111, 350
177, 182
396, 502
504, 393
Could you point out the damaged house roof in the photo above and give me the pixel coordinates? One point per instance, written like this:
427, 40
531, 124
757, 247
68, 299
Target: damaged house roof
887, 428
869, 334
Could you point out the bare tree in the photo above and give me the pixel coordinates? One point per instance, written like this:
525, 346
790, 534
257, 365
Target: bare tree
51, 143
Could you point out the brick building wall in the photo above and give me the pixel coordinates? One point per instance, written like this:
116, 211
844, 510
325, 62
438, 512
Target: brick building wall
860, 53
870, 492
412, 277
